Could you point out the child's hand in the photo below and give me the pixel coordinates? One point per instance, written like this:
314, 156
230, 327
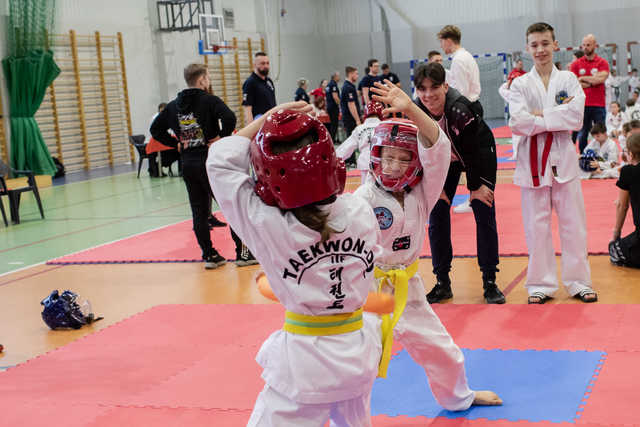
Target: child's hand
390, 94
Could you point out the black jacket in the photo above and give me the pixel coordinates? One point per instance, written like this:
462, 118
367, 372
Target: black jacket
194, 117
471, 139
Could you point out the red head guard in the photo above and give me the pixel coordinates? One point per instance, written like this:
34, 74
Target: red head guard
398, 133
373, 108
296, 178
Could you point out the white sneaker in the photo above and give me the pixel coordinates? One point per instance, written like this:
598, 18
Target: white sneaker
464, 207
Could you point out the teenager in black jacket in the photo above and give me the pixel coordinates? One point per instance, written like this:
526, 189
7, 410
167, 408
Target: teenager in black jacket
195, 117
473, 150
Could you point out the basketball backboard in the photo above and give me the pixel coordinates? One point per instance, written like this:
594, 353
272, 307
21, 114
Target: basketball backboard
212, 39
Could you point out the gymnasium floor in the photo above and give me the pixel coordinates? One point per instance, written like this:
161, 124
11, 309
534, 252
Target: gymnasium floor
94, 211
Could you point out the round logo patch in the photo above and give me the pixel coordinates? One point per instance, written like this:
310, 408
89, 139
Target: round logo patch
561, 96
384, 217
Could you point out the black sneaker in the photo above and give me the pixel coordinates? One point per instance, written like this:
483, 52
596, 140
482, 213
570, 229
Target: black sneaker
214, 261
245, 258
213, 221
440, 291
492, 294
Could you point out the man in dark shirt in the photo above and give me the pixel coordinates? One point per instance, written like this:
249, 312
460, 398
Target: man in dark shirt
473, 150
388, 75
369, 79
349, 104
333, 104
258, 91
194, 118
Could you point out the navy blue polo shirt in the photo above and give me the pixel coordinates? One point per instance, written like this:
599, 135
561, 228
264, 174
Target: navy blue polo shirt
392, 77
331, 88
349, 94
259, 93
301, 95
368, 81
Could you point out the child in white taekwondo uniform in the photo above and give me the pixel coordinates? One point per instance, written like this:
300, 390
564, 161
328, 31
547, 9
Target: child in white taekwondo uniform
360, 138
317, 248
402, 198
546, 105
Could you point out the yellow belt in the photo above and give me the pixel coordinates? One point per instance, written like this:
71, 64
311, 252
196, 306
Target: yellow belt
399, 278
335, 324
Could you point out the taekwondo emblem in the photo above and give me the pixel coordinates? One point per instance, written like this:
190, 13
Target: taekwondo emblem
561, 97
384, 217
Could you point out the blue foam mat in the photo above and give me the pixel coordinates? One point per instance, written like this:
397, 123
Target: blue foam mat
534, 385
458, 199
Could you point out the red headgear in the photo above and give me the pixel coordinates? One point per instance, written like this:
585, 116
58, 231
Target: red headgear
398, 133
373, 108
295, 178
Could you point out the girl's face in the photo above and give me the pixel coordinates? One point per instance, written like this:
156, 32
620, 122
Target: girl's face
614, 108
395, 161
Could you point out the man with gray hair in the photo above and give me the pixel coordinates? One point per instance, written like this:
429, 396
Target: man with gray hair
333, 104
592, 71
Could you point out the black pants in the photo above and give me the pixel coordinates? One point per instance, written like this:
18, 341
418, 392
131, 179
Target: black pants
349, 126
477, 107
592, 115
334, 114
630, 246
440, 231
195, 177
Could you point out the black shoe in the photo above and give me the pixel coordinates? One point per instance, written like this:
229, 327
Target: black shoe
440, 291
492, 294
214, 261
245, 259
213, 221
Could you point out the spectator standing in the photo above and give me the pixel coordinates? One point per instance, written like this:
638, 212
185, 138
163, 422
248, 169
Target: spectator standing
369, 79
333, 104
592, 71
388, 75
349, 103
258, 91
301, 93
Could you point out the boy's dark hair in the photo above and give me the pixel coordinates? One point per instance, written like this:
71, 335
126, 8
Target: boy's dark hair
432, 53
578, 53
634, 69
259, 53
450, 32
540, 27
371, 62
385, 67
630, 102
617, 103
626, 127
598, 128
349, 69
432, 71
634, 124
193, 72
162, 106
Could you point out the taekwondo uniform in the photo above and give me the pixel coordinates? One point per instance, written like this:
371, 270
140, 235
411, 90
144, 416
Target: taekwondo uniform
547, 172
505, 93
609, 154
419, 329
360, 138
308, 378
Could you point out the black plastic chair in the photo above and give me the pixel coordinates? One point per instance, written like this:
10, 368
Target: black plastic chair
15, 193
138, 142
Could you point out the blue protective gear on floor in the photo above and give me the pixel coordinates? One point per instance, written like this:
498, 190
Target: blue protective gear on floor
534, 385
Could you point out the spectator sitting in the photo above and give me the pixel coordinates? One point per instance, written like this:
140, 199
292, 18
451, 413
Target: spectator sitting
319, 110
626, 251
301, 92
633, 110
615, 119
602, 163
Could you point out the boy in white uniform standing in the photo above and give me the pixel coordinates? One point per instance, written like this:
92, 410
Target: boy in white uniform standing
409, 165
546, 105
318, 249
360, 138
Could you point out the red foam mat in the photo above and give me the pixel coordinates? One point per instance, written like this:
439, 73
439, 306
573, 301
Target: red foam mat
194, 364
502, 132
176, 243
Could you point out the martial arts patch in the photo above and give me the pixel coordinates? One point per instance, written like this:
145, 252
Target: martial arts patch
384, 217
561, 97
401, 243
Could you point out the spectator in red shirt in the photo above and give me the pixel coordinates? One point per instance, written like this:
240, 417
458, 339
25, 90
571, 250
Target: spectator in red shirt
319, 91
516, 72
592, 71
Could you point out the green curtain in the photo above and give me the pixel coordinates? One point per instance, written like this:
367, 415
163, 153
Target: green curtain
28, 77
